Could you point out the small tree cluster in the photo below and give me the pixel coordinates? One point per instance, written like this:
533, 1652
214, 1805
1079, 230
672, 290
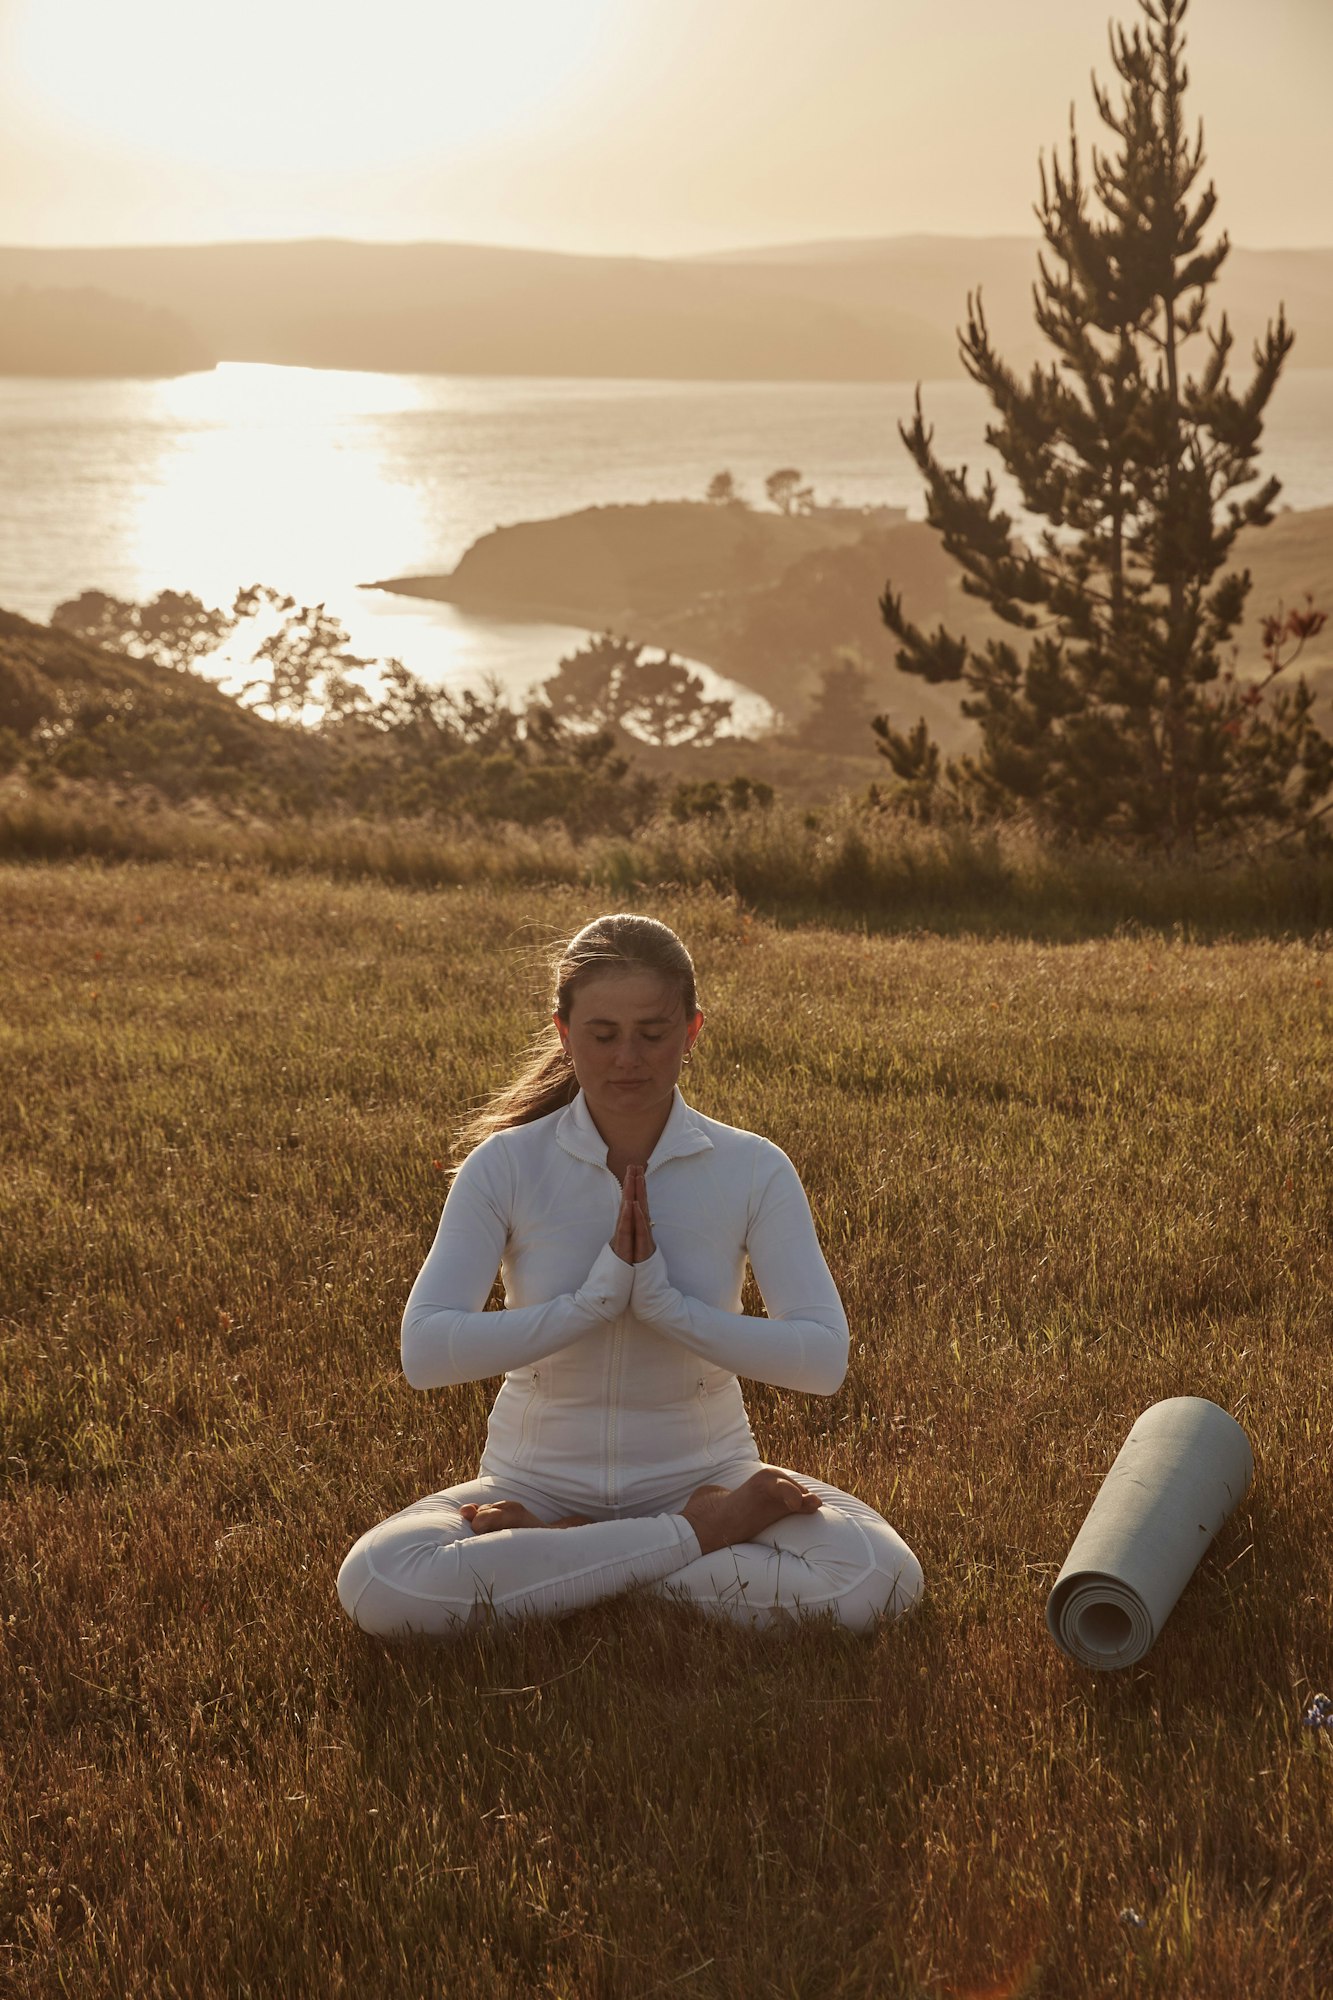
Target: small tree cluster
174, 629
784, 489
303, 654
786, 492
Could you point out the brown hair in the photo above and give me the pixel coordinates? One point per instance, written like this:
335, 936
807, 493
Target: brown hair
622, 942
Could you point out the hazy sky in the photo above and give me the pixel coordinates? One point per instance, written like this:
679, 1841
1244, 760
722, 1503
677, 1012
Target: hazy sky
652, 127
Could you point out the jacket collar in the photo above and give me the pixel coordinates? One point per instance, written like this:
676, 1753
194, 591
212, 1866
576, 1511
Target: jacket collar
683, 1133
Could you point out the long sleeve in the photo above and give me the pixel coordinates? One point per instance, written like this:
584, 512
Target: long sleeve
446, 1335
803, 1342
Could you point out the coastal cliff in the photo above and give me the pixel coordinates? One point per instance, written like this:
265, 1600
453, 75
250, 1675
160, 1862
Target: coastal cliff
768, 598
764, 598
605, 563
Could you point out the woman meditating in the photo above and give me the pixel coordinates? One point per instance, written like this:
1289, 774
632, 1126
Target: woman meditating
618, 1454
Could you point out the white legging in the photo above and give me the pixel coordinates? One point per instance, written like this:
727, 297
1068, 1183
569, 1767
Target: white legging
424, 1573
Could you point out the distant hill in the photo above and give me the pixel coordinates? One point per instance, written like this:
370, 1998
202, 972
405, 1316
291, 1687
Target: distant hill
935, 274
885, 310
455, 309
78, 330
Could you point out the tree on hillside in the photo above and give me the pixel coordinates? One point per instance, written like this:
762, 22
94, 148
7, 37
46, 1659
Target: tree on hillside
915, 759
723, 491
305, 660
587, 688
1126, 716
841, 705
668, 705
72, 711
786, 492
609, 684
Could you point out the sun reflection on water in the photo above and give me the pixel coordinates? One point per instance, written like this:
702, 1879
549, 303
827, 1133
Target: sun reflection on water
245, 392
275, 475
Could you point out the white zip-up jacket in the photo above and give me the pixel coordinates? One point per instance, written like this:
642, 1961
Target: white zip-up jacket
620, 1379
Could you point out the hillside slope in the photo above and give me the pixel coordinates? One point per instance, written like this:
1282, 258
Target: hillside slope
44, 670
98, 713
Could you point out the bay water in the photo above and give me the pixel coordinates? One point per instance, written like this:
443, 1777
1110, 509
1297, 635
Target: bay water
319, 482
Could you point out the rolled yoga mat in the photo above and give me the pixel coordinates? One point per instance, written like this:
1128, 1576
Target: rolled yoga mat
1178, 1475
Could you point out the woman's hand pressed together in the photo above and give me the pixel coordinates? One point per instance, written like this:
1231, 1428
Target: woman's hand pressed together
633, 1241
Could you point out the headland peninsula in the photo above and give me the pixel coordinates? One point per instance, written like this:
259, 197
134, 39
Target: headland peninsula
767, 598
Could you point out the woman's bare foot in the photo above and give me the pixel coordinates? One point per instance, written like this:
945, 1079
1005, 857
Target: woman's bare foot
497, 1514
720, 1516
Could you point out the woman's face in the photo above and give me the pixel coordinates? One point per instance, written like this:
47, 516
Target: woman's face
628, 1034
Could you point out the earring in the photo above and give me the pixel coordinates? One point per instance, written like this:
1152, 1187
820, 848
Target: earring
688, 1057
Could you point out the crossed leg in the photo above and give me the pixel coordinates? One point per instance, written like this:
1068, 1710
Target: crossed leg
841, 1558
764, 1550
719, 1515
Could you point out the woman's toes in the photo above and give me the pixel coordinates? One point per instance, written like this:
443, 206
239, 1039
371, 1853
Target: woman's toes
782, 1492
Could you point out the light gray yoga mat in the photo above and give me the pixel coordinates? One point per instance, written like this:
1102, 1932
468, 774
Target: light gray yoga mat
1178, 1475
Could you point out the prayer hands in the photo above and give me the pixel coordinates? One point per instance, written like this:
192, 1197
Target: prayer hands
633, 1241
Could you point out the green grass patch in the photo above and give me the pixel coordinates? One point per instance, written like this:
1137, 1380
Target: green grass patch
1055, 1181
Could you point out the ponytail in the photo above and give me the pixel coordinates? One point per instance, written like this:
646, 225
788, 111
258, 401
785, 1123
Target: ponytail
545, 1084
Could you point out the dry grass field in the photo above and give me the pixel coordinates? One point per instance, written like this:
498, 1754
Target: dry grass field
1055, 1181
842, 863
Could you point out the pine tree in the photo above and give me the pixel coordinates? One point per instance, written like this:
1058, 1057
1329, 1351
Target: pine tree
1126, 718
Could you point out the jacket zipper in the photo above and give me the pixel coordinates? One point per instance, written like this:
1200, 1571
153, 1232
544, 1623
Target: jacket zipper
613, 1412
613, 1423
528, 1407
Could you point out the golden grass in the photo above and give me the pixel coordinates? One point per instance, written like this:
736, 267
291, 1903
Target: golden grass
1055, 1182
842, 862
